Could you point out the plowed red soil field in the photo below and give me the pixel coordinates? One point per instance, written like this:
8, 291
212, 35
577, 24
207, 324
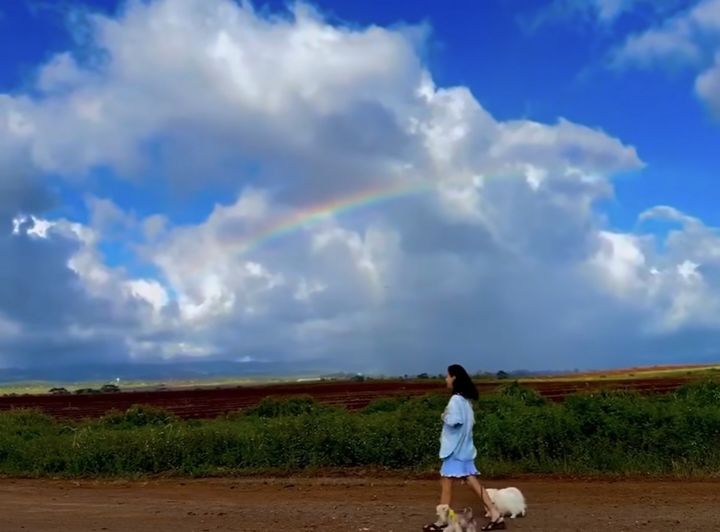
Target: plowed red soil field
211, 402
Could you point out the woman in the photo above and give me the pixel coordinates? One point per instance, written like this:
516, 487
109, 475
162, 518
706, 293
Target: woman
457, 449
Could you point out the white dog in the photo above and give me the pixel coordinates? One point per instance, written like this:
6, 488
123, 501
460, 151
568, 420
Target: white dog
509, 502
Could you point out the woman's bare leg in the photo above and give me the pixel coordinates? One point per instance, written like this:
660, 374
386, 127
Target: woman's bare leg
485, 498
446, 485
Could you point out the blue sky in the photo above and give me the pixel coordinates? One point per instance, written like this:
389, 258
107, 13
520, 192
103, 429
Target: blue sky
149, 149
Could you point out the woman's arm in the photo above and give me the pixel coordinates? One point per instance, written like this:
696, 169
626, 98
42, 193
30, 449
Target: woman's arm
453, 413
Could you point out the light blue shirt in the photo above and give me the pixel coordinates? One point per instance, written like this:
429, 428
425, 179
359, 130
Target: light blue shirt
456, 439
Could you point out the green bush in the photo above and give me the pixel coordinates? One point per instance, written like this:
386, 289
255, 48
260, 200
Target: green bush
528, 396
385, 404
287, 406
703, 392
516, 431
137, 416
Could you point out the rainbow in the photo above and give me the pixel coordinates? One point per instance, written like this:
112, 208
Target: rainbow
316, 213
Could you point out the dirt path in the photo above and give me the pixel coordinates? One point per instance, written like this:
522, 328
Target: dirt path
341, 505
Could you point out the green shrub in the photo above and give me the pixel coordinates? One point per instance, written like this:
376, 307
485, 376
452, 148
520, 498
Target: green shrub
137, 416
385, 404
528, 396
287, 406
516, 431
702, 392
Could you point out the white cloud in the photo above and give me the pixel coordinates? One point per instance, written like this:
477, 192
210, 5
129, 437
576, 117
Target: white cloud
620, 261
601, 13
62, 72
608, 10
39, 228
280, 86
56, 316
690, 38
707, 85
666, 212
150, 291
8, 329
504, 260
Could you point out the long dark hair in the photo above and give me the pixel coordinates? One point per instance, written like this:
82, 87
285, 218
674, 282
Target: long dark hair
462, 384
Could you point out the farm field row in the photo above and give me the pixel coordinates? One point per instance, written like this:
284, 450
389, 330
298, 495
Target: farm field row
211, 402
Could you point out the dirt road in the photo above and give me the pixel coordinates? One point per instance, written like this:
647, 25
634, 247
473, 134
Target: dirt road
341, 505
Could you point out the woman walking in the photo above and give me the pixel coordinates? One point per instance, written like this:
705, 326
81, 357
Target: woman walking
457, 450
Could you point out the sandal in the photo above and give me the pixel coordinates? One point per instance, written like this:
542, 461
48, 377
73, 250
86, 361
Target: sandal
495, 525
434, 527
